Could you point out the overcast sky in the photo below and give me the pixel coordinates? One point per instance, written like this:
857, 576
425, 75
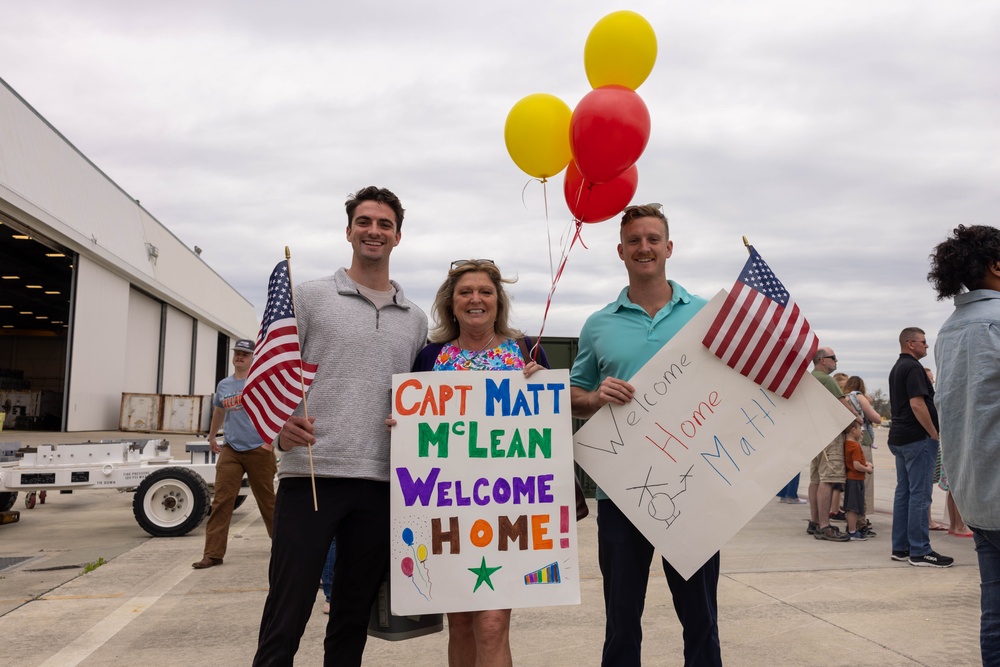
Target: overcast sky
845, 139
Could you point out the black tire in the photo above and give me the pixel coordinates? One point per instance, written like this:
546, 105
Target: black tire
171, 502
7, 500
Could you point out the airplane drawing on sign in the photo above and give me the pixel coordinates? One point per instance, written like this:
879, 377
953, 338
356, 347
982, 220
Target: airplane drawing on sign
661, 505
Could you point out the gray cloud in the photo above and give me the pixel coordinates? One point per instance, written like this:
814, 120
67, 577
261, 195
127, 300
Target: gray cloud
844, 140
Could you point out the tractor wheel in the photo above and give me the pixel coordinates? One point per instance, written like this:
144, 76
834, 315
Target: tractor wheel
7, 500
171, 502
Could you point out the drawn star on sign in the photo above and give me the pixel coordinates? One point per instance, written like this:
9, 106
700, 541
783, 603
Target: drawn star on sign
483, 573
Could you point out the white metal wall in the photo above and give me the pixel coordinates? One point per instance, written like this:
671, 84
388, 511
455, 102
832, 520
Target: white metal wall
100, 334
204, 375
177, 353
142, 351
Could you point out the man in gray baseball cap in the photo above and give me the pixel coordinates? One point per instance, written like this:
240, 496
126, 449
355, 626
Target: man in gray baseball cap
240, 452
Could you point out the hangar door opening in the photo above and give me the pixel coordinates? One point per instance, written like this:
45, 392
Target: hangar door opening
36, 285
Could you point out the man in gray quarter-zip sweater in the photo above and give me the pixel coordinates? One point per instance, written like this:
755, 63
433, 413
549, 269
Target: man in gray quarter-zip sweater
360, 329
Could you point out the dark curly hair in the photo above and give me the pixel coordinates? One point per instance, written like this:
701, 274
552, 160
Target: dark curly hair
962, 261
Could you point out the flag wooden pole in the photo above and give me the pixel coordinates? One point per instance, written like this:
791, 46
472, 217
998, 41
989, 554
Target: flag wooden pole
746, 244
302, 383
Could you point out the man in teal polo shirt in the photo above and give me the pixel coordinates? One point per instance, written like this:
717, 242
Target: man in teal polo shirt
615, 343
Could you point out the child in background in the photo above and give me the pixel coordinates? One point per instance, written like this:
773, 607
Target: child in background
854, 487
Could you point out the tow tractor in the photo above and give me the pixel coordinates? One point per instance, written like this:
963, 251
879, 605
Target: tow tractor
171, 497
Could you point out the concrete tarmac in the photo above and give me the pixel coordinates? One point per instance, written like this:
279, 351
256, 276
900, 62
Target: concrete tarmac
784, 597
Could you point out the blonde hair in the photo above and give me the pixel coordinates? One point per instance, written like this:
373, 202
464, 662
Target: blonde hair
446, 326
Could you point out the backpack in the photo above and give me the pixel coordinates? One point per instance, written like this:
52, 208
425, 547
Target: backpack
867, 430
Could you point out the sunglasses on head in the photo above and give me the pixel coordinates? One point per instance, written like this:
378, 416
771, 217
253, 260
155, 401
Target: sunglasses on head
476, 262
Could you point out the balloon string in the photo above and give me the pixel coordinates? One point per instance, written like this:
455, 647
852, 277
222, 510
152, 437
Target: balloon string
579, 223
525, 189
555, 281
548, 231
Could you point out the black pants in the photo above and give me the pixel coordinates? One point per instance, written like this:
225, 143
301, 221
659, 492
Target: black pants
625, 556
356, 511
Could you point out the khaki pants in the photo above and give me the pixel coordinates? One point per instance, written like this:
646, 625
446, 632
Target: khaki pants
260, 467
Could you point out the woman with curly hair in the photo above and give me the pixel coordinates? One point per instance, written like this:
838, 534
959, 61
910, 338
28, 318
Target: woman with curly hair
966, 266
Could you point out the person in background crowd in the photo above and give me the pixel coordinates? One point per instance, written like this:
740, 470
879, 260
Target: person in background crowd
326, 579
966, 266
827, 468
857, 396
913, 440
241, 453
854, 487
956, 525
841, 379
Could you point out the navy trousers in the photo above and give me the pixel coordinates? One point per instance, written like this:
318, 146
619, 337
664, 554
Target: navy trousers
625, 557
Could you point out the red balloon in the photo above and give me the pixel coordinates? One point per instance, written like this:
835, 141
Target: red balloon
595, 203
608, 132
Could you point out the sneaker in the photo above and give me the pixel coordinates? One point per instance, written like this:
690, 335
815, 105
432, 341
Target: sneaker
857, 536
830, 534
867, 532
839, 516
901, 555
794, 501
326, 607
932, 559
812, 528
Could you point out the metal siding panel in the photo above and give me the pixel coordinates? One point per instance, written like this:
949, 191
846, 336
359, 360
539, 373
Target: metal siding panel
177, 353
204, 378
99, 336
142, 350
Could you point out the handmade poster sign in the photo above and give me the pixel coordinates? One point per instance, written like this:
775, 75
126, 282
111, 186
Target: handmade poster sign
482, 494
701, 449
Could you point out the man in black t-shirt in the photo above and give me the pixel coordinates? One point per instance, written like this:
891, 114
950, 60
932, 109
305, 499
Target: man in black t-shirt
913, 440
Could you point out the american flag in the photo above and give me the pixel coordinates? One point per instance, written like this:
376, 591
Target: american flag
760, 331
278, 376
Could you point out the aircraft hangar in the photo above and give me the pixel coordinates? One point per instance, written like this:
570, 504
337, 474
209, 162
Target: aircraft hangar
98, 299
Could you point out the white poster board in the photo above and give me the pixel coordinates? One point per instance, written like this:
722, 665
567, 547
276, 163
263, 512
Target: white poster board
482, 492
701, 449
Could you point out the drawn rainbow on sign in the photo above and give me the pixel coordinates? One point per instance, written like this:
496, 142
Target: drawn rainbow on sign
547, 575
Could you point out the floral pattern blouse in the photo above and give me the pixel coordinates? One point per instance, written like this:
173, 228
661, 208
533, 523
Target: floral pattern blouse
504, 357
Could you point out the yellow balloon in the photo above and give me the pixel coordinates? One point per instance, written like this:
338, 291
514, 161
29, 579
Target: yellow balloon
421, 553
537, 135
621, 49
